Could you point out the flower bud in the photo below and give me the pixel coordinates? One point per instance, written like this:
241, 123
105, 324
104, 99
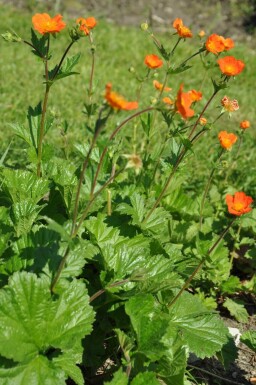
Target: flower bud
11, 37
144, 26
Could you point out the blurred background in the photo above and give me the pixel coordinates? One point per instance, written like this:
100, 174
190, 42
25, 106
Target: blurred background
235, 17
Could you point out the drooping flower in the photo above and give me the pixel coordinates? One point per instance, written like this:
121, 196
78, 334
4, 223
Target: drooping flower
117, 101
217, 43
86, 24
181, 29
134, 161
229, 105
239, 204
230, 66
183, 103
245, 124
44, 23
153, 61
227, 139
159, 86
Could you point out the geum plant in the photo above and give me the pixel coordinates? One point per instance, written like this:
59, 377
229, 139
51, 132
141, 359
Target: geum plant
97, 250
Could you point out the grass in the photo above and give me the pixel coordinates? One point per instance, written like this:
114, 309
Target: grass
117, 48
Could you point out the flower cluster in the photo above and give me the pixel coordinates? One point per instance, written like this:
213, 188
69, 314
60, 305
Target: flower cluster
216, 44
181, 29
116, 101
229, 105
239, 204
85, 25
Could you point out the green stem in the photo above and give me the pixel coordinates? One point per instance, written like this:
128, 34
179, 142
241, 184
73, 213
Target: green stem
180, 158
114, 133
60, 268
84, 167
207, 189
61, 61
98, 293
110, 180
199, 266
92, 68
202, 112
34, 48
190, 57
40, 135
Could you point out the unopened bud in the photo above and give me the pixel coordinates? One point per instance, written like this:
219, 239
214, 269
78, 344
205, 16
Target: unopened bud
11, 37
144, 26
75, 34
132, 69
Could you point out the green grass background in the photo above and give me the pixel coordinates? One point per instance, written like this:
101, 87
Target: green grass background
117, 48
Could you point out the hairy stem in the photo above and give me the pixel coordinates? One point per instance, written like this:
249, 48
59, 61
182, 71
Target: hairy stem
61, 61
114, 133
207, 189
40, 135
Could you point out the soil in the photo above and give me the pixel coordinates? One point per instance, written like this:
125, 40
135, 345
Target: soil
222, 17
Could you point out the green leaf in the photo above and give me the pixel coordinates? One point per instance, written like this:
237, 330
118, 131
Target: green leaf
249, 339
120, 378
231, 285
39, 44
149, 324
23, 215
203, 331
66, 69
145, 378
237, 310
173, 365
38, 371
228, 353
20, 185
22, 132
32, 321
178, 70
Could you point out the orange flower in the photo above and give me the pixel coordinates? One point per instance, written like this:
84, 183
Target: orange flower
153, 61
216, 44
228, 43
86, 24
229, 105
167, 100
203, 121
116, 101
43, 23
245, 124
159, 86
195, 95
239, 204
181, 29
230, 66
227, 139
183, 103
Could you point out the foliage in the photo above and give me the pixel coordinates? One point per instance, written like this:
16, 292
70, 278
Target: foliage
100, 240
